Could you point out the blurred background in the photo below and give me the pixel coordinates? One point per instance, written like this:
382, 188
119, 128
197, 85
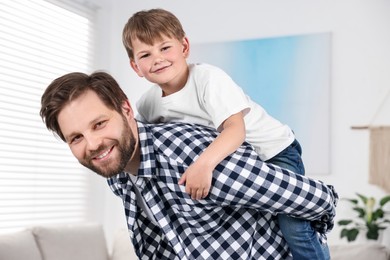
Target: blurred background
40, 181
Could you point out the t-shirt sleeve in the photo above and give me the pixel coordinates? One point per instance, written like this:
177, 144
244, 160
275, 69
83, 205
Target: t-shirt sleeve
221, 96
147, 105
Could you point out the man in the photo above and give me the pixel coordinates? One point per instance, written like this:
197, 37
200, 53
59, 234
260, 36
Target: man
143, 164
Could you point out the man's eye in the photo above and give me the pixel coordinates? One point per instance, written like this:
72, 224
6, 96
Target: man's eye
100, 124
75, 139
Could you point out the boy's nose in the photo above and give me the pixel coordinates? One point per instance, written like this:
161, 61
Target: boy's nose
158, 59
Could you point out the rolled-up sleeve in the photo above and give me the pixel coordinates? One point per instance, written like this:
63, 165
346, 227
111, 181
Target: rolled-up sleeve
244, 180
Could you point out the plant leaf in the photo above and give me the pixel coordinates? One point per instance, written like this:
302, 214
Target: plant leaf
377, 214
353, 201
344, 222
360, 211
373, 233
343, 232
352, 234
362, 197
384, 200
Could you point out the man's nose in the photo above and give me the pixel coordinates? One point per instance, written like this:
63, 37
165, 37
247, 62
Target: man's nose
93, 142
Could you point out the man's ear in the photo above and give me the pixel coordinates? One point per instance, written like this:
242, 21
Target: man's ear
126, 109
134, 66
186, 47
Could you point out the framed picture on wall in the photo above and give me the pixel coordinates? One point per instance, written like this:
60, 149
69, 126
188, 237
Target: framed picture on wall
289, 77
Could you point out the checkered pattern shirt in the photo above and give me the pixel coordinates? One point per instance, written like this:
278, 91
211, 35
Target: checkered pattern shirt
235, 221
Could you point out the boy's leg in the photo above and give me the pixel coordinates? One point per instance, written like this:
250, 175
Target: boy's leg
301, 238
303, 241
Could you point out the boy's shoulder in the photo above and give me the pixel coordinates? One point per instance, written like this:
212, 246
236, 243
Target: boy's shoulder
203, 67
149, 96
205, 70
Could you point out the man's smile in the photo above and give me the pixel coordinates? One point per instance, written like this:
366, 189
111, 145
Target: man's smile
103, 155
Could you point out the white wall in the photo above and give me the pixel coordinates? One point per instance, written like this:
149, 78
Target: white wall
360, 66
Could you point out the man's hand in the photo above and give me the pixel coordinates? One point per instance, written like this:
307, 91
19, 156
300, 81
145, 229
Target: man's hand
197, 179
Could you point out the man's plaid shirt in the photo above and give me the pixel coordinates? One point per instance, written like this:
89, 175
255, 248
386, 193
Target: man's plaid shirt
235, 221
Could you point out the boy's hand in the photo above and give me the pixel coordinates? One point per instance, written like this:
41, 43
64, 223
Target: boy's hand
197, 180
198, 176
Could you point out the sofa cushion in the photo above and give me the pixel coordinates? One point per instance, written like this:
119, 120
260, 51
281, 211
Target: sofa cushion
359, 252
122, 247
18, 246
75, 242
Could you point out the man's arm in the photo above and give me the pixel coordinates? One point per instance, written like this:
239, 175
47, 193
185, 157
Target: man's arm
243, 180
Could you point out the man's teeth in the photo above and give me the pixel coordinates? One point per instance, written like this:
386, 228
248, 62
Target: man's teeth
103, 155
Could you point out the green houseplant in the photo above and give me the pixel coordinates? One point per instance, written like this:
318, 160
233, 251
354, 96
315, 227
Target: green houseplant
371, 218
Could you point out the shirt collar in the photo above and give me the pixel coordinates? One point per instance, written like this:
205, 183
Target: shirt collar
148, 158
147, 165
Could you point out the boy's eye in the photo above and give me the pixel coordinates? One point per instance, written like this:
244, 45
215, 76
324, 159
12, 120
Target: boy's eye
144, 56
165, 48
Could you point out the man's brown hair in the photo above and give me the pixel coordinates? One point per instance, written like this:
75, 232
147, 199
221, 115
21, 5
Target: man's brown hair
70, 86
149, 26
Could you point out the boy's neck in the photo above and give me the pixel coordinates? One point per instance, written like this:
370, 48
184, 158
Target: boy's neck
166, 90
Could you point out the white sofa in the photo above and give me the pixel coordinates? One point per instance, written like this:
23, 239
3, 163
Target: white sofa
87, 242
354, 251
65, 242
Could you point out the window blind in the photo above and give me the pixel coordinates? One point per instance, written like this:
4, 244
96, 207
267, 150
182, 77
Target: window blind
40, 181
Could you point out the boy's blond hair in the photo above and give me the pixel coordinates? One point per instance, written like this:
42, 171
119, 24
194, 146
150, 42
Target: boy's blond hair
149, 26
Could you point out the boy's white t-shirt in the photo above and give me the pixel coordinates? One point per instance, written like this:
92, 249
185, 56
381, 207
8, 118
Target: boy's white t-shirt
209, 97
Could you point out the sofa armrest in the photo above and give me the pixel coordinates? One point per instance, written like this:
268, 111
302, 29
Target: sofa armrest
71, 241
19, 245
122, 247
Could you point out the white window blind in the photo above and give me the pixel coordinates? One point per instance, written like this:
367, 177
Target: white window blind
40, 181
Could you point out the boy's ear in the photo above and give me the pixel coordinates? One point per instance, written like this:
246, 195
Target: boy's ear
186, 47
134, 66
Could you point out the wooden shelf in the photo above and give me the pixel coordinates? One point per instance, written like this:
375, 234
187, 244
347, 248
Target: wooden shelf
360, 127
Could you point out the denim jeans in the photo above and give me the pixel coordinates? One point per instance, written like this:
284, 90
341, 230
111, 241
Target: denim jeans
301, 238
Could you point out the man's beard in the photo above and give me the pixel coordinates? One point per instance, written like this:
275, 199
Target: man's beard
126, 148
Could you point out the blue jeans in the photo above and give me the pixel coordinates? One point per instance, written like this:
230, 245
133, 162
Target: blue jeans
301, 238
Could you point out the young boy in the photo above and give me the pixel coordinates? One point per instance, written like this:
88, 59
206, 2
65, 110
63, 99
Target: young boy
199, 93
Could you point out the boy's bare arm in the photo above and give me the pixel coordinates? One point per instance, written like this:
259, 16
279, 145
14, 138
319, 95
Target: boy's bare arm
199, 175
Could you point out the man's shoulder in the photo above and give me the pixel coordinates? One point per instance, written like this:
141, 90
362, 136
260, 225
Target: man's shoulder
179, 130
178, 127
